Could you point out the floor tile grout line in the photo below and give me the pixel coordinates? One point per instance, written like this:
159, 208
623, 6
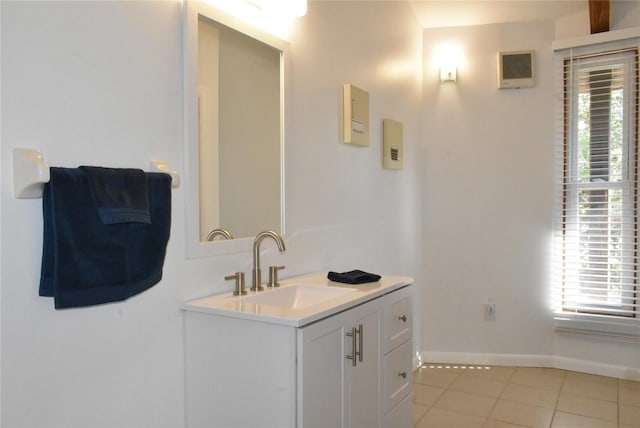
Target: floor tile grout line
555, 407
501, 393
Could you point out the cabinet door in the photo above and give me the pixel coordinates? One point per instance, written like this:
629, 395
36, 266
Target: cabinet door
321, 383
364, 379
332, 391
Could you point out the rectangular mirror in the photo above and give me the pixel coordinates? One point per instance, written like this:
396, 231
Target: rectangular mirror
234, 126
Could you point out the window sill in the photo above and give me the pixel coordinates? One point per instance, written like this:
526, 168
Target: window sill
620, 330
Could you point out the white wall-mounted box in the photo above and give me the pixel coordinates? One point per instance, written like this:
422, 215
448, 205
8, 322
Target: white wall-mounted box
392, 151
355, 115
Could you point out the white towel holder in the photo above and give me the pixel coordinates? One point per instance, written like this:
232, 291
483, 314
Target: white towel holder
30, 173
163, 166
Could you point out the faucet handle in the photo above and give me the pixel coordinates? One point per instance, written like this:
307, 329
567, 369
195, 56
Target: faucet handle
273, 276
239, 288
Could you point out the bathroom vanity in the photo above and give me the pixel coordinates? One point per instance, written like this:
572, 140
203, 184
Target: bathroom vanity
309, 353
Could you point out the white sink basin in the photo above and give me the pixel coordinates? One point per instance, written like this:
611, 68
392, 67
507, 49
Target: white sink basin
297, 296
299, 301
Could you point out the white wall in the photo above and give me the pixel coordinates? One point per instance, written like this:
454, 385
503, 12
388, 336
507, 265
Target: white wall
624, 14
339, 195
489, 168
488, 195
101, 83
89, 83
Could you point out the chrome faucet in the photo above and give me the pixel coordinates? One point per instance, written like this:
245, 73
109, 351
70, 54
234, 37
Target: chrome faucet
219, 232
257, 277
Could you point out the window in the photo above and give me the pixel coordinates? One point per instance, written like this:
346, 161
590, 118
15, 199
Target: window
597, 211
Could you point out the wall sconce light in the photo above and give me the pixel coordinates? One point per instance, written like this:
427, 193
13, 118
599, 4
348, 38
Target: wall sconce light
448, 73
448, 58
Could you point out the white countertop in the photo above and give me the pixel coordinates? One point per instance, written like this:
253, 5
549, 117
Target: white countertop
227, 304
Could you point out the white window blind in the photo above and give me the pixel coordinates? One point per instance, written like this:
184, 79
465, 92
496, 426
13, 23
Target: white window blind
596, 234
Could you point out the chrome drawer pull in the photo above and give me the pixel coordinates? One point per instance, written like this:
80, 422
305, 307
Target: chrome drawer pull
403, 318
360, 331
354, 344
403, 375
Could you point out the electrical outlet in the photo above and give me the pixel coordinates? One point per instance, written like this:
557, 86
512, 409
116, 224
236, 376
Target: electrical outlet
490, 312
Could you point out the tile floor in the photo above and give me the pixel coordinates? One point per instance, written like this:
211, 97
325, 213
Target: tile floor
448, 395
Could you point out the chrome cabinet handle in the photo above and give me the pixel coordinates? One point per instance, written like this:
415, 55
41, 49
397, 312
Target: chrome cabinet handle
403, 318
354, 343
357, 342
403, 375
360, 331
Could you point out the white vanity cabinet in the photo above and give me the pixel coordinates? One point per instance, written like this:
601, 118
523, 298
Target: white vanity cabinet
340, 370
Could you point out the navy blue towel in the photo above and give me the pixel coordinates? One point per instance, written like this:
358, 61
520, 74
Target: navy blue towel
86, 262
120, 194
353, 277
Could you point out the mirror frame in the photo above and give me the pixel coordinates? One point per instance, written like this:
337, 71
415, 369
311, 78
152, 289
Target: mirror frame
192, 10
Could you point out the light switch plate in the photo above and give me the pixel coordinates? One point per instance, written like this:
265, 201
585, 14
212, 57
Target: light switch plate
392, 135
355, 115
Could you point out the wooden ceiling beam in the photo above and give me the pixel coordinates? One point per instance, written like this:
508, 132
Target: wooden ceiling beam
599, 15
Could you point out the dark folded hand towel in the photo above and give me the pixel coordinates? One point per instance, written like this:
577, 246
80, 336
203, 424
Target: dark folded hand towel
86, 262
120, 194
353, 277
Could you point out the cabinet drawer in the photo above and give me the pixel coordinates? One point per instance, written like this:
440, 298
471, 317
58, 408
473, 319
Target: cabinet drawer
398, 318
398, 375
401, 416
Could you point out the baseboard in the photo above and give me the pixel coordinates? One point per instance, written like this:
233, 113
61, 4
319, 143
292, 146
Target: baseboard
524, 360
592, 367
529, 360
